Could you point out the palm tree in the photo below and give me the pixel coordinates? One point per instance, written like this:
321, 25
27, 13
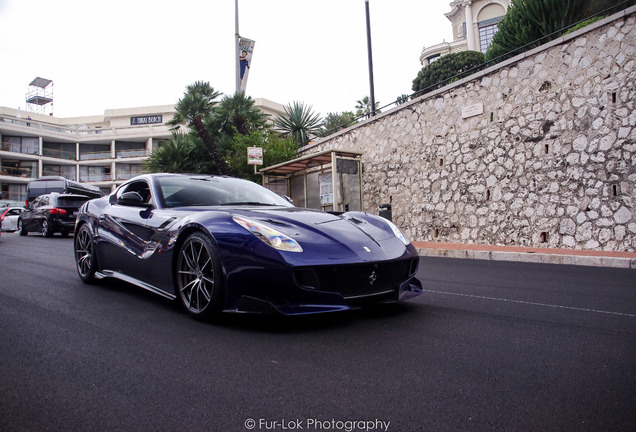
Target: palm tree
182, 153
363, 107
196, 106
300, 123
239, 112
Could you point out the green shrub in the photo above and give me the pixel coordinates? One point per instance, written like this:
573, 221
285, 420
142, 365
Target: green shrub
447, 69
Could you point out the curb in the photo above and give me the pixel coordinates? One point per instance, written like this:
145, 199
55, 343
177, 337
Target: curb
532, 255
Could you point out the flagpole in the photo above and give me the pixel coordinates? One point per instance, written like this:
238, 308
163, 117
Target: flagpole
236, 48
366, 2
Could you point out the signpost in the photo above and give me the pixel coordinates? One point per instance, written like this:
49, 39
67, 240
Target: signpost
255, 156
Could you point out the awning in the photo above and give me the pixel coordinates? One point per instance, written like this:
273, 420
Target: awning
306, 162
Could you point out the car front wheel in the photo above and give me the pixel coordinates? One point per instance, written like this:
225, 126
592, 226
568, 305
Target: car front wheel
198, 277
85, 259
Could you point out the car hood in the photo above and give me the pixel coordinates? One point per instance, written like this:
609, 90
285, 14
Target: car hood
349, 236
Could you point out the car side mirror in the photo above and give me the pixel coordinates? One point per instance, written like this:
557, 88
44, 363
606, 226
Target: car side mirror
132, 199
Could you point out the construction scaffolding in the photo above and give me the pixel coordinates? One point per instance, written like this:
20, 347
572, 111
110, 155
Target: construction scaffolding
39, 97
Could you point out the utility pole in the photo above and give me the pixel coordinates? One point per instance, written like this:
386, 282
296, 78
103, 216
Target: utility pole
366, 2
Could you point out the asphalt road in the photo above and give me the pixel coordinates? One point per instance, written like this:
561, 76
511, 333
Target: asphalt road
489, 346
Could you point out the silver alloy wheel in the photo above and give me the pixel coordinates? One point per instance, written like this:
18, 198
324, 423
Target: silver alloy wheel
46, 230
196, 275
84, 254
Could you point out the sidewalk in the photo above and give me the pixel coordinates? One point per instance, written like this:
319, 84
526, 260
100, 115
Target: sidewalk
528, 254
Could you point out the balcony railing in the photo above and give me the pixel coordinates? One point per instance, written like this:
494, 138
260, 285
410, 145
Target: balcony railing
13, 171
83, 130
96, 155
67, 174
132, 153
95, 177
18, 148
58, 154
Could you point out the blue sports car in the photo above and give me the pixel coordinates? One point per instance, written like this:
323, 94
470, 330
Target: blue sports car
226, 244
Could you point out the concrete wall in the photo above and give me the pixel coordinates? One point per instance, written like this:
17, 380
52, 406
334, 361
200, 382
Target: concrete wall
537, 151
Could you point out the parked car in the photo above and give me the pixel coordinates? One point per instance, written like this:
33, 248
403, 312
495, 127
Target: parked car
226, 244
9, 218
51, 213
50, 184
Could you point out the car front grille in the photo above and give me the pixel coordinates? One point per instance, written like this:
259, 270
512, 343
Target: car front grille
357, 280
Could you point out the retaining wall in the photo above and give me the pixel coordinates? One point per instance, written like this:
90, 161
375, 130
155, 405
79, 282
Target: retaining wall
539, 150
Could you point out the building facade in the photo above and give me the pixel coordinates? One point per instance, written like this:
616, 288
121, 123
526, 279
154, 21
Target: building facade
104, 150
474, 24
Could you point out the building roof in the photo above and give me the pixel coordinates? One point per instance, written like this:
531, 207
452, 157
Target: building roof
306, 162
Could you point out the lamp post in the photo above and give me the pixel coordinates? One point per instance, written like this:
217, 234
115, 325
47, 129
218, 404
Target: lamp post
372, 95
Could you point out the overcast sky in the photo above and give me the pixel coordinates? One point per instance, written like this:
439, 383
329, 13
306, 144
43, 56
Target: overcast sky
134, 53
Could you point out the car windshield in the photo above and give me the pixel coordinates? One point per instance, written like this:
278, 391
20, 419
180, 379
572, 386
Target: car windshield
187, 191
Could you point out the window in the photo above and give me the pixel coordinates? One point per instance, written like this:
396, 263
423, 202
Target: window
26, 145
485, 36
67, 171
433, 58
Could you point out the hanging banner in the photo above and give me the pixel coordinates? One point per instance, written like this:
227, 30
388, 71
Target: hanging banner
246, 48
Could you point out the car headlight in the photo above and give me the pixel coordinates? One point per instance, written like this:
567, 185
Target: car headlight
397, 232
269, 235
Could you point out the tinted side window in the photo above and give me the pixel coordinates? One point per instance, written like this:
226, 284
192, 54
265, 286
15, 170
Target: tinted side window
43, 201
141, 187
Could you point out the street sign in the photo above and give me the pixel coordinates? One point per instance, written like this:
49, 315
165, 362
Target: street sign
255, 156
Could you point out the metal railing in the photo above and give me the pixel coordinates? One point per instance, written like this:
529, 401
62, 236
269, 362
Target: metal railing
95, 155
67, 174
13, 171
132, 153
58, 154
95, 177
18, 148
80, 129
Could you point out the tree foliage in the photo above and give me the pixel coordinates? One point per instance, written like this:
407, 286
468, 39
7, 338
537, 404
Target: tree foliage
530, 23
299, 123
447, 69
237, 113
194, 109
182, 153
276, 150
363, 107
336, 121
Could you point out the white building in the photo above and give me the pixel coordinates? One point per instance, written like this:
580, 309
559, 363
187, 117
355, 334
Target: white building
103, 150
474, 25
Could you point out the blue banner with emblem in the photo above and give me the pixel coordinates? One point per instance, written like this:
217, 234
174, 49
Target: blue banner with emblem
246, 48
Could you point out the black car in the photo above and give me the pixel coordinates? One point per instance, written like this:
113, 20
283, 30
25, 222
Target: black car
51, 213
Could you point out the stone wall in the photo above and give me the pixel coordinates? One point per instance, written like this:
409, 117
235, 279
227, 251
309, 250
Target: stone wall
537, 151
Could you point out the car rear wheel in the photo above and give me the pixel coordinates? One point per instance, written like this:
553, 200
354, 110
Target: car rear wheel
46, 229
21, 229
198, 277
85, 259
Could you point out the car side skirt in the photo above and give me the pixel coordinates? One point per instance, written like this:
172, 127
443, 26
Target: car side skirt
141, 284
